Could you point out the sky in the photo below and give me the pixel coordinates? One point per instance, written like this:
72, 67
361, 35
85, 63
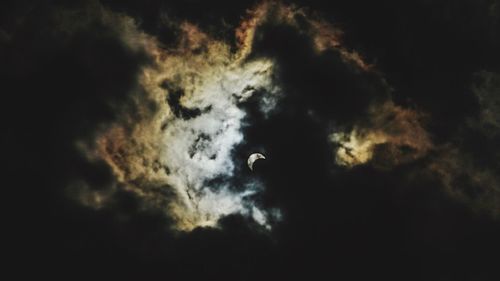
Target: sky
127, 126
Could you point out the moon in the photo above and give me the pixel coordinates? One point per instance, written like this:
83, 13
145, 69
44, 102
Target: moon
254, 157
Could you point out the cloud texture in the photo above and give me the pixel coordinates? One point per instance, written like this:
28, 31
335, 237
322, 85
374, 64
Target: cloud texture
127, 127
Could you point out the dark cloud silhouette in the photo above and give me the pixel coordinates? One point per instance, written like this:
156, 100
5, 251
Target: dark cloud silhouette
67, 75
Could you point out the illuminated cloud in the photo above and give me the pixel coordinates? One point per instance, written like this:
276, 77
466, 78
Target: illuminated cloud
128, 127
390, 136
170, 155
176, 151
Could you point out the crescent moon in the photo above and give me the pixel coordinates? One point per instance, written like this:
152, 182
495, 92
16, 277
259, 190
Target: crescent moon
254, 157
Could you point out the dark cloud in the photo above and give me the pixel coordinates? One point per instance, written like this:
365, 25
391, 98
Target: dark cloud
67, 75
156, 17
322, 82
427, 50
469, 162
179, 110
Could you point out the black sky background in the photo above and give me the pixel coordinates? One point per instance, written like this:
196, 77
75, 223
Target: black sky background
350, 225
